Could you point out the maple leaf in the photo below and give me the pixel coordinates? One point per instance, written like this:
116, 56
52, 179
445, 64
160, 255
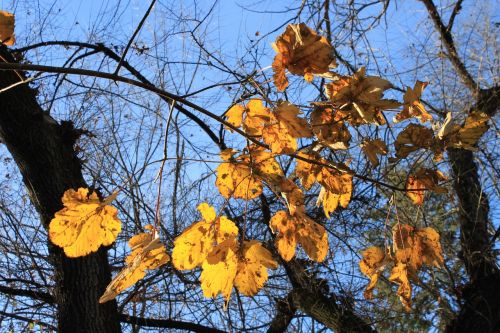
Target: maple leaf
224, 268
300, 50
416, 247
192, 247
299, 229
336, 186
253, 116
241, 176
372, 265
329, 128
284, 128
424, 179
467, 135
399, 275
372, 148
252, 268
147, 253
219, 270
412, 138
7, 22
412, 106
84, 224
360, 98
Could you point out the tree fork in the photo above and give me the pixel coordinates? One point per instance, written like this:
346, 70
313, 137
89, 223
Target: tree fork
43, 151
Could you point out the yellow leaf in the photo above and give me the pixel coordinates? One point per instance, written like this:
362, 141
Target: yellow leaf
237, 180
372, 148
147, 253
424, 180
302, 52
372, 265
7, 28
252, 268
329, 128
84, 224
399, 275
412, 106
192, 247
412, 138
299, 228
235, 115
331, 200
284, 128
218, 274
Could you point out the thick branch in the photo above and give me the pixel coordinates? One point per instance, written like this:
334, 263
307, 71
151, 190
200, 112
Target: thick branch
285, 311
449, 44
167, 323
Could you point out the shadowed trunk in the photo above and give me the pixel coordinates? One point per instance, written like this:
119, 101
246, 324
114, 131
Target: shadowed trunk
43, 151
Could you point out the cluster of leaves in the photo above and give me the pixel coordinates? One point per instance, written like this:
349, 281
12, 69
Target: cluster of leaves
272, 129
86, 223
412, 248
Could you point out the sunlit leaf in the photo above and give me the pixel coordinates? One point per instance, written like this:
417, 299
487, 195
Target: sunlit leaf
148, 253
412, 106
7, 22
301, 51
84, 224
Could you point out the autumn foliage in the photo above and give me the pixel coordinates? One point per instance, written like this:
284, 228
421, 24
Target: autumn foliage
218, 247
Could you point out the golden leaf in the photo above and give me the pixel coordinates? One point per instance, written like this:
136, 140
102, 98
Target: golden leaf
412, 106
237, 180
252, 268
253, 117
192, 247
284, 128
331, 200
223, 268
424, 180
299, 228
301, 51
329, 128
372, 148
147, 253
84, 224
218, 276
7, 22
399, 275
372, 265
412, 138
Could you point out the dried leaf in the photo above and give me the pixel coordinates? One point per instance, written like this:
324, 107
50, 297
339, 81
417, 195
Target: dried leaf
412, 106
372, 148
412, 138
147, 253
299, 228
84, 224
7, 22
301, 51
360, 98
399, 275
372, 265
252, 268
424, 180
329, 128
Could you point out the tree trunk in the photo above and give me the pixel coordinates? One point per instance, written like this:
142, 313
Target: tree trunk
480, 311
43, 151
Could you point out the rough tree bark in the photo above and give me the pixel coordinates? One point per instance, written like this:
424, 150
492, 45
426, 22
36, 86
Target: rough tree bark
480, 311
43, 151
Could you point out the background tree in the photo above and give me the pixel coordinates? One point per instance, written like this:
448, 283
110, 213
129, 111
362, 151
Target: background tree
64, 129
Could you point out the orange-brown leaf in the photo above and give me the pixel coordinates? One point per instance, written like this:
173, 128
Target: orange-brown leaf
412, 106
372, 148
424, 180
7, 22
